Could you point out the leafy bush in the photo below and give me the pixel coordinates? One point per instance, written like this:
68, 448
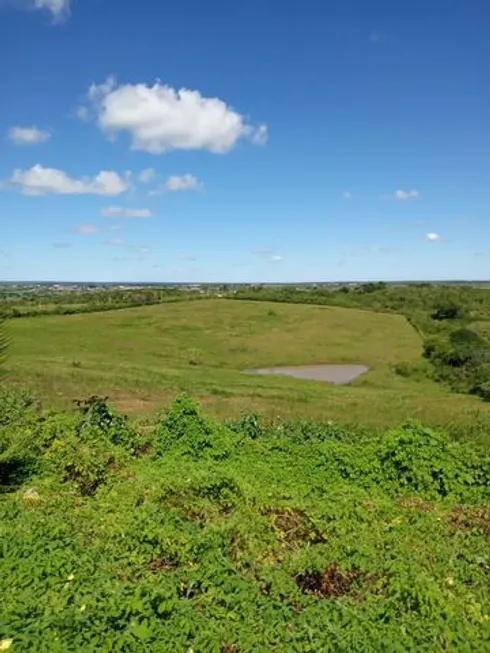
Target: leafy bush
83, 459
248, 425
15, 406
418, 459
482, 390
448, 310
310, 431
186, 429
96, 413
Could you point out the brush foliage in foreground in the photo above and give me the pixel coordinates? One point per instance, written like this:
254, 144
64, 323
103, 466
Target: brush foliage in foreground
241, 537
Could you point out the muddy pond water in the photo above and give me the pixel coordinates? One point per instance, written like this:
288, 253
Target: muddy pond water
337, 374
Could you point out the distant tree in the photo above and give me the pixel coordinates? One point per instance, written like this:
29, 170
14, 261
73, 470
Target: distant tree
372, 287
448, 311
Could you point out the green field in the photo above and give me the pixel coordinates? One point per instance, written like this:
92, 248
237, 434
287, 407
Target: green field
142, 357
314, 518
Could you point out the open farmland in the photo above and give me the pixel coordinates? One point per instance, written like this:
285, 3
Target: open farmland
142, 357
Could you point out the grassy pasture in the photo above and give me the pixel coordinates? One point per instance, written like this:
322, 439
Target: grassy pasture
142, 357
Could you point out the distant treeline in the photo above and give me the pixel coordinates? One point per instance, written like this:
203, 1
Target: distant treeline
454, 322
69, 302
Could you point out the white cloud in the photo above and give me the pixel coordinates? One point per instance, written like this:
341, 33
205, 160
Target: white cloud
59, 8
160, 118
116, 242
346, 195
86, 229
184, 182
82, 113
147, 175
114, 227
122, 212
268, 255
404, 195
432, 236
40, 181
28, 135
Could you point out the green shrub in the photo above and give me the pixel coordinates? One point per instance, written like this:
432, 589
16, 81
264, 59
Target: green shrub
311, 431
84, 460
248, 425
448, 310
186, 429
16, 406
482, 390
114, 426
418, 459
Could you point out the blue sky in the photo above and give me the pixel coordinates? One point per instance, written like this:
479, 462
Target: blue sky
219, 141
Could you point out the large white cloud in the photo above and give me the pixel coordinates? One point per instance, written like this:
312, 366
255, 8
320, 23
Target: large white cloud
160, 118
41, 181
28, 135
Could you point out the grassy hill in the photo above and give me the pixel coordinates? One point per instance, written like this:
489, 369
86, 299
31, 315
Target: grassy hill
331, 524
142, 357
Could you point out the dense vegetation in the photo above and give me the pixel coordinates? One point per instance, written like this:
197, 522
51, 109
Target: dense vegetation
451, 320
238, 537
16, 302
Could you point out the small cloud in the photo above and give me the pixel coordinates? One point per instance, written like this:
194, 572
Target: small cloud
260, 135
41, 181
59, 8
82, 113
184, 182
374, 37
27, 135
86, 229
123, 212
346, 195
404, 195
144, 250
116, 242
268, 255
147, 175
432, 236
114, 227
62, 245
